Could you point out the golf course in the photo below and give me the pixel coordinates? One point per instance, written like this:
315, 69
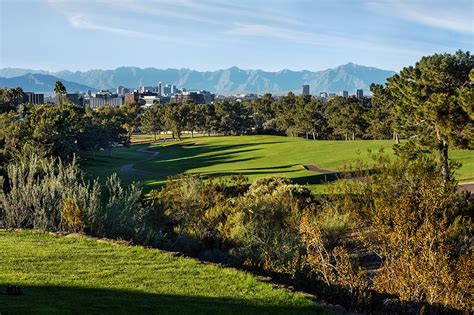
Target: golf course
303, 161
73, 274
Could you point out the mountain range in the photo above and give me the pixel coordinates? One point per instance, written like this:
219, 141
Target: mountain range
227, 81
36, 82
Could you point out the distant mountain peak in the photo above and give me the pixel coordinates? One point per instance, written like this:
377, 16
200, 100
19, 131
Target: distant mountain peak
44, 83
233, 80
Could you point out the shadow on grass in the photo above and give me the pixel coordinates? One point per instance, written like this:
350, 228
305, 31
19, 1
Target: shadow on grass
179, 158
60, 300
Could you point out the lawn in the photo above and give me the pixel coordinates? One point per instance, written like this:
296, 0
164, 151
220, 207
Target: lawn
77, 275
252, 156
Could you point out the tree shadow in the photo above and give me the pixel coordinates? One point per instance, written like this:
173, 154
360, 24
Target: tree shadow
80, 300
179, 158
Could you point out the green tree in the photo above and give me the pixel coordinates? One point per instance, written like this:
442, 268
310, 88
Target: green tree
131, 115
430, 102
380, 115
262, 110
286, 112
346, 116
10, 99
151, 120
207, 118
234, 117
175, 118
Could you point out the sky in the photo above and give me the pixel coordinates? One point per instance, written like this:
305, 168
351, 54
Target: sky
215, 34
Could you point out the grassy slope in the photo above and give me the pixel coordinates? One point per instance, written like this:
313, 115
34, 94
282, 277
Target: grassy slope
73, 274
252, 156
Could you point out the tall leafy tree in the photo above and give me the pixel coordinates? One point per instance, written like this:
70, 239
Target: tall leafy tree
151, 120
234, 117
262, 111
131, 115
175, 118
314, 119
286, 112
346, 116
380, 115
431, 101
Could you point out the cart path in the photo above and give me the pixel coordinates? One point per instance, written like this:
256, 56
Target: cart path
130, 168
314, 168
467, 187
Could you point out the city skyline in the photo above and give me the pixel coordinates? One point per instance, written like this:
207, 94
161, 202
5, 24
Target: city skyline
208, 35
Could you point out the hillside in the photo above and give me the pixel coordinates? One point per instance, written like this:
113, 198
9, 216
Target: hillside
233, 80
73, 274
41, 83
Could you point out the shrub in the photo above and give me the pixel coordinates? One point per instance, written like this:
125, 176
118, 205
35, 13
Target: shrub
72, 216
420, 227
264, 224
41, 189
196, 207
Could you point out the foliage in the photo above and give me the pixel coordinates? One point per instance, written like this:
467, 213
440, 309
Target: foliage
71, 216
264, 223
419, 226
151, 120
430, 102
48, 195
10, 99
196, 207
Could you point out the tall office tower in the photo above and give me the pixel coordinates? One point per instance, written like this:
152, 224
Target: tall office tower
360, 93
305, 89
121, 90
158, 88
344, 93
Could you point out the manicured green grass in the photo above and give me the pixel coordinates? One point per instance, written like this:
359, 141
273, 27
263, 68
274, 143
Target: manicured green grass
76, 275
252, 156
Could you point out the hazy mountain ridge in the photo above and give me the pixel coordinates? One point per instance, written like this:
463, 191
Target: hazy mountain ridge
233, 80
37, 82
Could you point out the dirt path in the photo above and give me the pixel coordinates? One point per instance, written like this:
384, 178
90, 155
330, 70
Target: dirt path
467, 187
314, 168
130, 168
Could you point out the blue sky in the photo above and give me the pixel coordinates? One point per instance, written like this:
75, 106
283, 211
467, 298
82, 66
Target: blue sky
212, 34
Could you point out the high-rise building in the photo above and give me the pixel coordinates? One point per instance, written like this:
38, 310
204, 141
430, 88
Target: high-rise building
158, 88
166, 90
344, 93
33, 98
324, 94
305, 89
198, 97
121, 90
359, 93
73, 98
131, 98
103, 98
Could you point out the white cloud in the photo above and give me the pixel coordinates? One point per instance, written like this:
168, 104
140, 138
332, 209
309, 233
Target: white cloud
449, 15
319, 39
80, 22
